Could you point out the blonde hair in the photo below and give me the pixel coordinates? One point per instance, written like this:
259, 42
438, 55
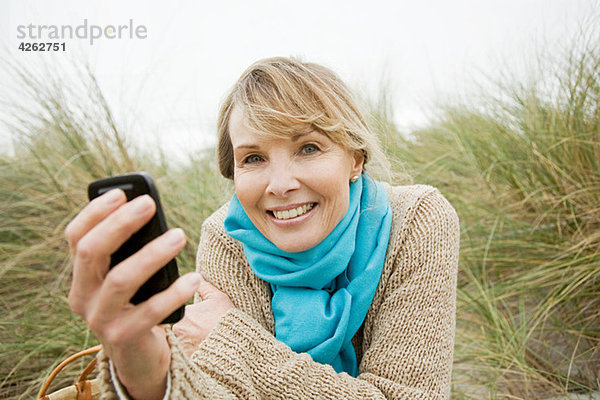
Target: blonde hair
283, 97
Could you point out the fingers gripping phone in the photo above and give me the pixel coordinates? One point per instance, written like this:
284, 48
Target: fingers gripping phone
134, 185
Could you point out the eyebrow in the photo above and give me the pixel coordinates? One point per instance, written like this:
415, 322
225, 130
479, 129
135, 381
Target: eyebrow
294, 138
246, 146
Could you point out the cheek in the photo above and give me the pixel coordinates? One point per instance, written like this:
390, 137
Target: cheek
247, 192
342, 202
336, 191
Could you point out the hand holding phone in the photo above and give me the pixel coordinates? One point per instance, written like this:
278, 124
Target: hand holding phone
134, 185
131, 336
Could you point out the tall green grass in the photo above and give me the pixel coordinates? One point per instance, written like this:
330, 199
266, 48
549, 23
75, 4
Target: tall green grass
65, 137
534, 285
520, 165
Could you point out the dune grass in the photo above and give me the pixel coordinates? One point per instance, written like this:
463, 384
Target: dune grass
65, 138
520, 165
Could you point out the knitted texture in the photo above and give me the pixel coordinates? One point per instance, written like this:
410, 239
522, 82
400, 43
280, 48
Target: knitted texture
404, 348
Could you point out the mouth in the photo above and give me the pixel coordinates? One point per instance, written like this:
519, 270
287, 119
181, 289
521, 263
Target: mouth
292, 212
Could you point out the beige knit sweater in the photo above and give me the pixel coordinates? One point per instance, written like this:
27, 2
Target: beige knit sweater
404, 347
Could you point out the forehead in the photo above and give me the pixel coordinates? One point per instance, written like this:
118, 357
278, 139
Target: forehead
241, 133
237, 126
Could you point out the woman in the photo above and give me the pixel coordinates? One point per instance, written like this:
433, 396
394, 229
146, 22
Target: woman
323, 282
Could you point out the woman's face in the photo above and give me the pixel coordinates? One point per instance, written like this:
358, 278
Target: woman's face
295, 190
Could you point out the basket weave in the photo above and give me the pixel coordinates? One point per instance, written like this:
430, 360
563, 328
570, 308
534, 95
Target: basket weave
83, 389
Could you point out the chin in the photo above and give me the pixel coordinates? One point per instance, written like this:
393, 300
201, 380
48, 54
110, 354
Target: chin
293, 246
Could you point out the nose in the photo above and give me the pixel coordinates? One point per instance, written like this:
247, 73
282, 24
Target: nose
283, 178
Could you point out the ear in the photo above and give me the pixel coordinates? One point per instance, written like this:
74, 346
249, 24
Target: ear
358, 159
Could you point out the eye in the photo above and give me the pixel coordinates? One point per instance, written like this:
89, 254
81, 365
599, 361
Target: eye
310, 148
252, 159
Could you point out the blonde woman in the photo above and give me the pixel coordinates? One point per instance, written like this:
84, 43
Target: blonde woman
315, 281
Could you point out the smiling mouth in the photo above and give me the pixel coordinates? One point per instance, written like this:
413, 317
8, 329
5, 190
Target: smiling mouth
293, 213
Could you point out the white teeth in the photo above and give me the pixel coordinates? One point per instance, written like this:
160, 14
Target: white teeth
287, 214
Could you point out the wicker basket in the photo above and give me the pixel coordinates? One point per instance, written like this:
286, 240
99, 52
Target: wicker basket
83, 389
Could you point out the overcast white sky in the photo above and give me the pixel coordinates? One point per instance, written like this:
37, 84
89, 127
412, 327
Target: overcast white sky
169, 85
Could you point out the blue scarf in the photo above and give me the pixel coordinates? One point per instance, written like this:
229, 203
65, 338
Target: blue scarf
321, 295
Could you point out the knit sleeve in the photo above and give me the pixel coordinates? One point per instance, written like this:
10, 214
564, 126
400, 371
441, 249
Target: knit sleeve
201, 386
408, 340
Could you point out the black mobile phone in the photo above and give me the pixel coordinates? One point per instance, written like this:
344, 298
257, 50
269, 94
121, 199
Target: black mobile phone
134, 185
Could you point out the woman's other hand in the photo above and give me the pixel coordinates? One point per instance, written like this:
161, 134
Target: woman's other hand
129, 334
200, 318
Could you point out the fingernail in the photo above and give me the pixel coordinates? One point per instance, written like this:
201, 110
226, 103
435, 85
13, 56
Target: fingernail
113, 195
141, 204
175, 237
